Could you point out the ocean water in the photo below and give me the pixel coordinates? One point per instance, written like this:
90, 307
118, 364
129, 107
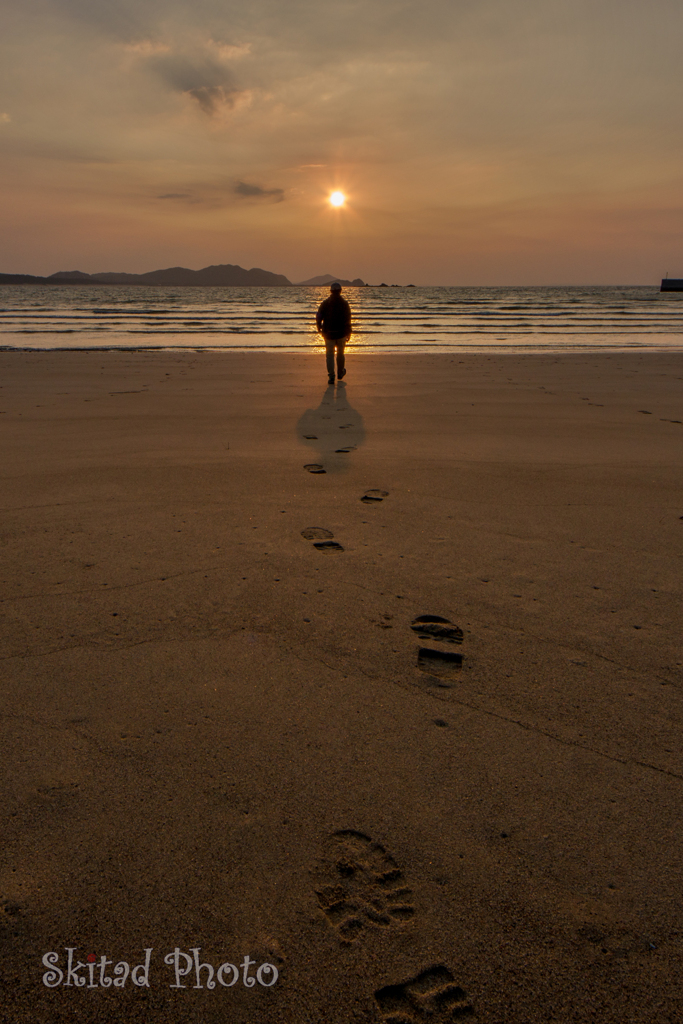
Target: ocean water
384, 319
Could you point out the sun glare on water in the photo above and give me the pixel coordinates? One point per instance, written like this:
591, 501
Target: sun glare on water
337, 199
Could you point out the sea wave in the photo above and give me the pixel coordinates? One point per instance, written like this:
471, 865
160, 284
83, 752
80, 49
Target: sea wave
405, 319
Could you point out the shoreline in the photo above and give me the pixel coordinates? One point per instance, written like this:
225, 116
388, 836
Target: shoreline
611, 344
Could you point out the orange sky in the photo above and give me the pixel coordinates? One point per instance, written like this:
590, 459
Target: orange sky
488, 142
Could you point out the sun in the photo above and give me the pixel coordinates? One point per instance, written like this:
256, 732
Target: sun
337, 199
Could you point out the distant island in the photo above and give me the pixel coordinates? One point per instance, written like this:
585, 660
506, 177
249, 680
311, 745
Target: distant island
225, 274
315, 282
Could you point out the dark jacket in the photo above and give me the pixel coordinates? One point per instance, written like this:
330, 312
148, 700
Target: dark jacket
334, 318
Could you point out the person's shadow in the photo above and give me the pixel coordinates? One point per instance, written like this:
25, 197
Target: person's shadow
333, 431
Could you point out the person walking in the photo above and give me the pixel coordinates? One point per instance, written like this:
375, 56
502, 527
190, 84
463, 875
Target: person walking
333, 321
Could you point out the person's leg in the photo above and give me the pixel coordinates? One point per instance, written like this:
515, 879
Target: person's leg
341, 362
329, 357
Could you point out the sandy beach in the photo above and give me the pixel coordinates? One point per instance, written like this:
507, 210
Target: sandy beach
218, 736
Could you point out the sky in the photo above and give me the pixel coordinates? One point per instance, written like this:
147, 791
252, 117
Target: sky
478, 142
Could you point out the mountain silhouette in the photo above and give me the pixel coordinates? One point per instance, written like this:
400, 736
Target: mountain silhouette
222, 275
314, 282
215, 276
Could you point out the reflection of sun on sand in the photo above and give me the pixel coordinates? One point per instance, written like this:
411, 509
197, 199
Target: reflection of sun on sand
433, 775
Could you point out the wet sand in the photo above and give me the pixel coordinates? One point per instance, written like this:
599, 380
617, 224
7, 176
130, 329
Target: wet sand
218, 736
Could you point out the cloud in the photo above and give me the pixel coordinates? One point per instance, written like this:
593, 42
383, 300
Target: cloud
212, 97
424, 113
208, 81
146, 47
255, 192
228, 51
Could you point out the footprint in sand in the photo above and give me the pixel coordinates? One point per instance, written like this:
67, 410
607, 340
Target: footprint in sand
441, 666
314, 467
434, 627
431, 995
316, 533
322, 537
373, 496
367, 889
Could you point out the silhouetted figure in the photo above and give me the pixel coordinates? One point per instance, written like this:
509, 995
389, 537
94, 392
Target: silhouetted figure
333, 321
